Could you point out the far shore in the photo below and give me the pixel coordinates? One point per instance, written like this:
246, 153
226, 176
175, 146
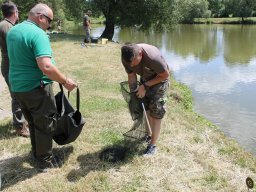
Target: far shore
229, 20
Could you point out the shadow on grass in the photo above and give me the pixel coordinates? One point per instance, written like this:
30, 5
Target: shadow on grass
105, 159
7, 131
16, 169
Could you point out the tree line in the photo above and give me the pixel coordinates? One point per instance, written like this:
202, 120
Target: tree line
158, 14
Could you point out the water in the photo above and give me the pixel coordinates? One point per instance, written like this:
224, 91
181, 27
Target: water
218, 63
221, 72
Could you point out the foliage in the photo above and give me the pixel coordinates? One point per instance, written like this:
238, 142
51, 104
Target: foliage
181, 94
74, 9
25, 5
242, 8
146, 14
140, 13
190, 9
216, 7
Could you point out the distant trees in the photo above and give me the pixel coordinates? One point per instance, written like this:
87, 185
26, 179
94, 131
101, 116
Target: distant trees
190, 9
241, 8
216, 7
25, 5
234, 8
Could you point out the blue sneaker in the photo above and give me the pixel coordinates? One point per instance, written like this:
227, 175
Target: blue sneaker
151, 150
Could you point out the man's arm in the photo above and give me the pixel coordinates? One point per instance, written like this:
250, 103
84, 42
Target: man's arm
159, 78
132, 81
46, 66
88, 24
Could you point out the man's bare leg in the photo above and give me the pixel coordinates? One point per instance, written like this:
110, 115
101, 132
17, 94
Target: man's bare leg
148, 129
155, 127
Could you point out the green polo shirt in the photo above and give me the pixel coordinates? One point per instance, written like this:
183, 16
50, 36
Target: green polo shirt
26, 42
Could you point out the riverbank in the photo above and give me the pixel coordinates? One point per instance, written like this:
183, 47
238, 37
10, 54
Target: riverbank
230, 20
193, 155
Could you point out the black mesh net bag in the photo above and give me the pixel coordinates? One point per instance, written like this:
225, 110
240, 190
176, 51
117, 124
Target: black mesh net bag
136, 111
133, 137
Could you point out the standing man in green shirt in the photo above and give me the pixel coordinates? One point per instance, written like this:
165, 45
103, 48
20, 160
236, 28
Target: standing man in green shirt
32, 72
11, 16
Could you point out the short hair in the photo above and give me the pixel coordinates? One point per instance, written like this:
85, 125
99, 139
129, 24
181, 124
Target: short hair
8, 8
39, 8
129, 51
89, 12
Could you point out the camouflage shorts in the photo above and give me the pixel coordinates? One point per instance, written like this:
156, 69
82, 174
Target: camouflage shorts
155, 99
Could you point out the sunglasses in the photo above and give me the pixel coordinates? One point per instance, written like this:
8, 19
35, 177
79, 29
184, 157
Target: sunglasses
48, 18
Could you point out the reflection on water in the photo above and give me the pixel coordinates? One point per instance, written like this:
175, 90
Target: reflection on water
218, 63
239, 44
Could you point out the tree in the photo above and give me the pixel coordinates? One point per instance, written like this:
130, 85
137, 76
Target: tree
111, 10
74, 9
24, 7
140, 13
216, 7
240, 8
244, 8
190, 9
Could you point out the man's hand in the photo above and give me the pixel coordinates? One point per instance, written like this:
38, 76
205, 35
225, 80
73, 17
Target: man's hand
52, 72
141, 92
70, 84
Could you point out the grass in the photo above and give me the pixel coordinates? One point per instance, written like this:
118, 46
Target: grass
193, 155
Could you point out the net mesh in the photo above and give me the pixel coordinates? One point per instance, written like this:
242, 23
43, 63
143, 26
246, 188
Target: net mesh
136, 111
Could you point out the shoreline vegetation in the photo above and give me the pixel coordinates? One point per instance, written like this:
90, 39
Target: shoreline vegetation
230, 20
226, 20
69, 25
193, 154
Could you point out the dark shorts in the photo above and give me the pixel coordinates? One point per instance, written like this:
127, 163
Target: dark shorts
155, 99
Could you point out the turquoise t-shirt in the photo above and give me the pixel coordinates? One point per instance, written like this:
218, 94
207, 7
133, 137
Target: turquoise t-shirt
26, 42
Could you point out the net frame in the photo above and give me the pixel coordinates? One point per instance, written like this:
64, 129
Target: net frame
138, 130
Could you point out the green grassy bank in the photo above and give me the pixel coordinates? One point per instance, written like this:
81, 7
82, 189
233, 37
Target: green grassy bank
193, 155
229, 20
